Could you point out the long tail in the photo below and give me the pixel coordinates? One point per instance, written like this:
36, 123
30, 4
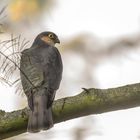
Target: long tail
40, 118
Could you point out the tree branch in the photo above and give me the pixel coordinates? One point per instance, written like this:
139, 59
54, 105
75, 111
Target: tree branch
90, 101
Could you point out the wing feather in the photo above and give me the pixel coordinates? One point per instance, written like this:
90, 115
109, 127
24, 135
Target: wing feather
31, 72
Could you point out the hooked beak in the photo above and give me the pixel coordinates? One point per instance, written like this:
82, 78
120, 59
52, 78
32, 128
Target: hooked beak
57, 41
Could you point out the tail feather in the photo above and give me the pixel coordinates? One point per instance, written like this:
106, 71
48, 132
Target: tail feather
40, 118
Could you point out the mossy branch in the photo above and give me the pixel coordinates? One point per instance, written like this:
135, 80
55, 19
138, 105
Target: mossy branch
89, 101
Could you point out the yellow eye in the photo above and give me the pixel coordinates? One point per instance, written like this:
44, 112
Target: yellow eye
50, 36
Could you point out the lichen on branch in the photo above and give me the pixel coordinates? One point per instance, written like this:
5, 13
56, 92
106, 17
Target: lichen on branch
89, 101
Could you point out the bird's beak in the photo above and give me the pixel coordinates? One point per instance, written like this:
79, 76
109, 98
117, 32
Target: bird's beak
57, 41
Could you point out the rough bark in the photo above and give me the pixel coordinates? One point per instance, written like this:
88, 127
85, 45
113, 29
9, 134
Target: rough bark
89, 101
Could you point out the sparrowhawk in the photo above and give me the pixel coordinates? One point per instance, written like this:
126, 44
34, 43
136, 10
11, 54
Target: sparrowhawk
41, 72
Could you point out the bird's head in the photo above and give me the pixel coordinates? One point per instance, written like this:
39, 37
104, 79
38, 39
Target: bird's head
49, 38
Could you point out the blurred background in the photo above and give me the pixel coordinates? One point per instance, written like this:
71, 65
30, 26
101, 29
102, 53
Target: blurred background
100, 47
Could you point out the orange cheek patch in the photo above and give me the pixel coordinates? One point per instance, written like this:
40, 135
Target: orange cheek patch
46, 39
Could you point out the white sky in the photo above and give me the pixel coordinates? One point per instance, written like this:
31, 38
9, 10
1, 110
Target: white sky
106, 19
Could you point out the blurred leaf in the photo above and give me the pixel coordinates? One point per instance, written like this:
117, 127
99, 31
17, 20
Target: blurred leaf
20, 10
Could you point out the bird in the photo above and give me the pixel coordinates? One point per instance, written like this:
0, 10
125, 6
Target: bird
41, 70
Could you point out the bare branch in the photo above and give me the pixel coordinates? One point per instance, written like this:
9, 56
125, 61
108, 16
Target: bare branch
10, 53
95, 101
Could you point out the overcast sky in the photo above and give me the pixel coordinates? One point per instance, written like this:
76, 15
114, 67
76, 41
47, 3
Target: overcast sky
104, 18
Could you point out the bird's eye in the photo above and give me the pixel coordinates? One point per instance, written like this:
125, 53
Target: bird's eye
50, 36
